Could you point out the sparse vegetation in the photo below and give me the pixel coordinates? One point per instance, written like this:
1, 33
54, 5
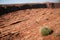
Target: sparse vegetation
46, 31
57, 34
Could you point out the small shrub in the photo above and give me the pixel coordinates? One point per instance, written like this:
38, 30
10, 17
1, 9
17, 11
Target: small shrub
46, 31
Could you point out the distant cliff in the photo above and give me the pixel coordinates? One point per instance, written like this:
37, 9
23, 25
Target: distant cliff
14, 7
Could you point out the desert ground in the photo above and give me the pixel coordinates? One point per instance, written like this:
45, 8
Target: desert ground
26, 24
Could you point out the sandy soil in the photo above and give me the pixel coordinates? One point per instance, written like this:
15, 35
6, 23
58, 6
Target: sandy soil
26, 24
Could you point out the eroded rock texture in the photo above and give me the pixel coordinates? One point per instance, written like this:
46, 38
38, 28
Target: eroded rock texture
26, 24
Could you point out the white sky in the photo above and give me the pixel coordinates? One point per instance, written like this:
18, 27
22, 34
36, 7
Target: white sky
25, 1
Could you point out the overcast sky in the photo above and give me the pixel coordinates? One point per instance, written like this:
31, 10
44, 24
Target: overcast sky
25, 1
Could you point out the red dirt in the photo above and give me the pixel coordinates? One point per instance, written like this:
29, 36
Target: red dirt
26, 24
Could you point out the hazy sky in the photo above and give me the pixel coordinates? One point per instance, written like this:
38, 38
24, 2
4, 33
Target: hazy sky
25, 1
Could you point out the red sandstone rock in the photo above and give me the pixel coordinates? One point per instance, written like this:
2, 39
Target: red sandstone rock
26, 24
